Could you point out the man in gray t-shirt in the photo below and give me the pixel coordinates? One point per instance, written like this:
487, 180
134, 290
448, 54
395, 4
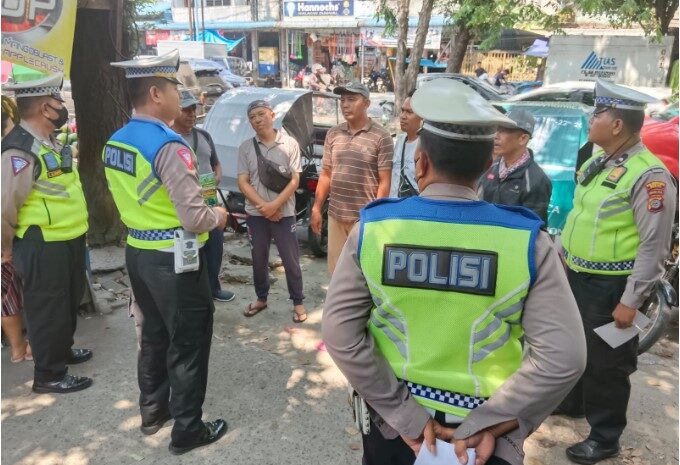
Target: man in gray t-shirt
209, 173
271, 214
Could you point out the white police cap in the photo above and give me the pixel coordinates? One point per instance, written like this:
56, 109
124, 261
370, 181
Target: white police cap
612, 95
453, 110
47, 86
164, 66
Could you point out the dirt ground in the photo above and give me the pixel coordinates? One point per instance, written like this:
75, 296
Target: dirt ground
273, 382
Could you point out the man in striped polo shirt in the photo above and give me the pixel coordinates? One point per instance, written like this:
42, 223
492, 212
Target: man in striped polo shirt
357, 167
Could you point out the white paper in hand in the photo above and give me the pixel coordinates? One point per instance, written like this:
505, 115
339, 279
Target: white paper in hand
615, 336
445, 455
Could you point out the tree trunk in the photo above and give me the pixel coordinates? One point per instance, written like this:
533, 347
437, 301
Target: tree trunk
402, 38
458, 49
664, 11
101, 101
411, 74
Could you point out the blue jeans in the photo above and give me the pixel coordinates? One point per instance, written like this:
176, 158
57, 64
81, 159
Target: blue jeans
214, 248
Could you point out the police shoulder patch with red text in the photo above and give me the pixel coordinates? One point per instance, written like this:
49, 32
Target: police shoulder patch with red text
655, 194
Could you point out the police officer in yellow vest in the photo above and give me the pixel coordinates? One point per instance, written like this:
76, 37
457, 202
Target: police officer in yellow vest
431, 295
44, 221
151, 172
615, 240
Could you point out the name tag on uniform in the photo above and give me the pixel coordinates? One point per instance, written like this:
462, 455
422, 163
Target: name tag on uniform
443, 269
120, 160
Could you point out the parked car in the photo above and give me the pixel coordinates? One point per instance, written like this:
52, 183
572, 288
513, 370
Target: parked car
208, 76
559, 140
483, 88
236, 70
225, 74
568, 91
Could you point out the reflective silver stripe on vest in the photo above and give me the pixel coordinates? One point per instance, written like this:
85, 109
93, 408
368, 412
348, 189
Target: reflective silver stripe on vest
614, 201
482, 353
50, 188
488, 331
387, 316
391, 335
511, 310
151, 191
145, 183
615, 211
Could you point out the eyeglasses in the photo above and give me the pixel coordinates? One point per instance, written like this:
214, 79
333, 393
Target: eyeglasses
598, 112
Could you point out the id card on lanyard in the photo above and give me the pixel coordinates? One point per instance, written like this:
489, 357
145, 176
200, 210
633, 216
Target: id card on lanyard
207, 180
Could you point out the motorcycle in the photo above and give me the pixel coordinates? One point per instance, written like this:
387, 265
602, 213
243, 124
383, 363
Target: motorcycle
661, 307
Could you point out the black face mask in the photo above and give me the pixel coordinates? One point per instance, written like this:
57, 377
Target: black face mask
60, 120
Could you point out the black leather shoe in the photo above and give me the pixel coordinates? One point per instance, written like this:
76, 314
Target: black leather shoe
153, 428
589, 451
79, 356
566, 413
214, 431
68, 383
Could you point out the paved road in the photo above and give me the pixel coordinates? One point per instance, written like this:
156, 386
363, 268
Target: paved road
282, 396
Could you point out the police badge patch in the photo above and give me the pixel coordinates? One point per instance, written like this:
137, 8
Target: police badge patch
187, 157
655, 194
18, 165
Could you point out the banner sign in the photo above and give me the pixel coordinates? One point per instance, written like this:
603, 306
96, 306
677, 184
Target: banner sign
297, 8
39, 33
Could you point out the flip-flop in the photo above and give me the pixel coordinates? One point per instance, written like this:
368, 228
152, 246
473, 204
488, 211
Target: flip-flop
252, 311
299, 317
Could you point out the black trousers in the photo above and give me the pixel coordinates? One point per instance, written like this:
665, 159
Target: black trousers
177, 327
53, 275
603, 391
381, 451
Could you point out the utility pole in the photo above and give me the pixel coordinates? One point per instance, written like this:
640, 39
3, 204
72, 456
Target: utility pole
254, 43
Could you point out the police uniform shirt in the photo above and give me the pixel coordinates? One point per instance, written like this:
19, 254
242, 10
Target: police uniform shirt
653, 200
550, 324
17, 183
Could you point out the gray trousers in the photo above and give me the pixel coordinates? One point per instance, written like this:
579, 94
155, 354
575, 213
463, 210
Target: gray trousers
260, 233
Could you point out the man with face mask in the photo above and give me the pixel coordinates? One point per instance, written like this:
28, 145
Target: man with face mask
152, 175
44, 221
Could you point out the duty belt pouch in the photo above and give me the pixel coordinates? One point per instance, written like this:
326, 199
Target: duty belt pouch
275, 177
360, 412
186, 251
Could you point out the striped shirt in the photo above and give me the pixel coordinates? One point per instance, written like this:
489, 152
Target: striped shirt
354, 161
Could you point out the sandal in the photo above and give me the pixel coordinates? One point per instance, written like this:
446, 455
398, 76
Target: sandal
252, 311
299, 317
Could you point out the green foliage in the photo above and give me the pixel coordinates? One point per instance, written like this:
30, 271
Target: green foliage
385, 12
506, 14
652, 15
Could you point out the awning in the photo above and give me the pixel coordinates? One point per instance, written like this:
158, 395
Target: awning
212, 37
224, 25
538, 49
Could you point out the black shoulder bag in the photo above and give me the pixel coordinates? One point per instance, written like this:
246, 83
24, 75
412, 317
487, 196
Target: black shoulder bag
272, 175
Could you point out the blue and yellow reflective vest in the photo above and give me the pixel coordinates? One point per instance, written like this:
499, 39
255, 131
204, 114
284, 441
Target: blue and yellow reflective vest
448, 281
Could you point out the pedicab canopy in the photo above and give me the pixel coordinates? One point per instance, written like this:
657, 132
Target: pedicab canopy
227, 122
